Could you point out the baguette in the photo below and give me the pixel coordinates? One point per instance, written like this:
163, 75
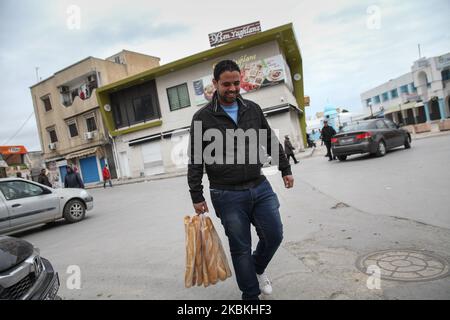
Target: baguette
198, 251
204, 268
190, 252
209, 252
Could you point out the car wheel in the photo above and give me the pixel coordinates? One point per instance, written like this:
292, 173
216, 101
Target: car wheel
381, 149
342, 158
74, 211
407, 142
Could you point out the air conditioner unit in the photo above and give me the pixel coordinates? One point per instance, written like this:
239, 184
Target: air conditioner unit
52, 146
63, 89
89, 135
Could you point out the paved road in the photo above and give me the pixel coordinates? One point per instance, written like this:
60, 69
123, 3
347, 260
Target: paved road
131, 246
412, 184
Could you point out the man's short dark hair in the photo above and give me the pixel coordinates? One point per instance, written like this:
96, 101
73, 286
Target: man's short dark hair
225, 65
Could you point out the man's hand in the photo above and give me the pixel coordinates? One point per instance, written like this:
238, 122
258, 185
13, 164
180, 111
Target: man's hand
288, 181
201, 207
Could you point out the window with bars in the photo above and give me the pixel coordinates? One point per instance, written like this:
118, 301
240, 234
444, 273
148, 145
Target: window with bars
73, 130
137, 104
178, 97
90, 124
47, 103
53, 136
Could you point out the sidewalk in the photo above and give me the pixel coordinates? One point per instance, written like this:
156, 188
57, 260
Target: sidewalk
119, 182
424, 135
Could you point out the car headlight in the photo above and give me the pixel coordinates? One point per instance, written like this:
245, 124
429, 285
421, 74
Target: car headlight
86, 196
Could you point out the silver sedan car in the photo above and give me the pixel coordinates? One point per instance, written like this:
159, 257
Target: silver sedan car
25, 204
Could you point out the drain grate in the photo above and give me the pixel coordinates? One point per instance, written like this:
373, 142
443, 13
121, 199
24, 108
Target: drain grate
406, 265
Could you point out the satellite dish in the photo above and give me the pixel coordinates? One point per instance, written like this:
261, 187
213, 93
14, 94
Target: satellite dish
297, 77
107, 107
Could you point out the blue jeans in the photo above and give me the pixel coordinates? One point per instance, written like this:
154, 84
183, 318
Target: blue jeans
237, 210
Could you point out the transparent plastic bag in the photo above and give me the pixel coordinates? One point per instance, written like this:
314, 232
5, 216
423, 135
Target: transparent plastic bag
206, 262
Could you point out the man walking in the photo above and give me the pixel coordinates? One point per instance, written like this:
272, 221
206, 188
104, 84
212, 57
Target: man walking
327, 133
106, 176
43, 179
240, 194
289, 149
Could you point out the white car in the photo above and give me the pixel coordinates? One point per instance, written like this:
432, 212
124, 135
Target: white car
24, 204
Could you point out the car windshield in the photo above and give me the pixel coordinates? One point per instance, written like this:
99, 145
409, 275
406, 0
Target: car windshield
357, 126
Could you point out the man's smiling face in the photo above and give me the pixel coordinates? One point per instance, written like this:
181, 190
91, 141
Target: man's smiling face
228, 87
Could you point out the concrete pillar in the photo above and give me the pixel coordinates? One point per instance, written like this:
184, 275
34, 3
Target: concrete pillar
427, 111
442, 109
416, 114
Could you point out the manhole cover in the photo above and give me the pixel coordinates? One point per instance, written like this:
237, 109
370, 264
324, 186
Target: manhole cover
405, 265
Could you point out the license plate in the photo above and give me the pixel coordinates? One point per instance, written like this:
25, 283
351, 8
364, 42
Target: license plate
346, 141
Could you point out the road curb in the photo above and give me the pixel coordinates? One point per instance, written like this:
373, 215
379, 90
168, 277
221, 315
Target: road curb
437, 134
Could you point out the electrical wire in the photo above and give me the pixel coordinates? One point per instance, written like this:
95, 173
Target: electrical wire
20, 129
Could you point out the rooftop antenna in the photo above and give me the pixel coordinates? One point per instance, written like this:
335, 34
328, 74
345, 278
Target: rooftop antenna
37, 74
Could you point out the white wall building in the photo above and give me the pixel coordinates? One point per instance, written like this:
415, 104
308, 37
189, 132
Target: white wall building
419, 96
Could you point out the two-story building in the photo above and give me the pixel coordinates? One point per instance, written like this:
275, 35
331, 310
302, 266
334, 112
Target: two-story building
70, 126
419, 97
149, 114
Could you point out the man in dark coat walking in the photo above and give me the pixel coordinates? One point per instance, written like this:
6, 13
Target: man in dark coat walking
43, 179
73, 180
327, 133
289, 149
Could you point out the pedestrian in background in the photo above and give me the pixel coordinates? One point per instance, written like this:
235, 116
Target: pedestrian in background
43, 179
289, 149
327, 133
106, 176
73, 179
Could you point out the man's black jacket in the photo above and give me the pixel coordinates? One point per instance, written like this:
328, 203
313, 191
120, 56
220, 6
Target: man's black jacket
327, 133
288, 148
73, 180
222, 175
43, 179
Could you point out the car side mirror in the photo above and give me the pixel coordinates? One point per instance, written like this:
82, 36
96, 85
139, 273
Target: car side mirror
46, 191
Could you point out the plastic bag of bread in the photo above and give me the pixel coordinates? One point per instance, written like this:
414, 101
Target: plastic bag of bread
206, 262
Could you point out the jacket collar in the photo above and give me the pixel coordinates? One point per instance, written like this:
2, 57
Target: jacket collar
242, 104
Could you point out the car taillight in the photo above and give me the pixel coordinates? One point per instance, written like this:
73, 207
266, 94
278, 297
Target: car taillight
333, 140
365, 135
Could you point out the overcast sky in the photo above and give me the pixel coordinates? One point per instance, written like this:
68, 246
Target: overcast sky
347, 46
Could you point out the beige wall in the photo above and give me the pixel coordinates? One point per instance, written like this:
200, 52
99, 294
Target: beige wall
136, 62
107, 72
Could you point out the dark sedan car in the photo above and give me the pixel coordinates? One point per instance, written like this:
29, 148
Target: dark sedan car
375, 136
24, 274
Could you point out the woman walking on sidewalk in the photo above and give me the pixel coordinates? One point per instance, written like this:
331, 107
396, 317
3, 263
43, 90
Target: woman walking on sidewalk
106, 176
